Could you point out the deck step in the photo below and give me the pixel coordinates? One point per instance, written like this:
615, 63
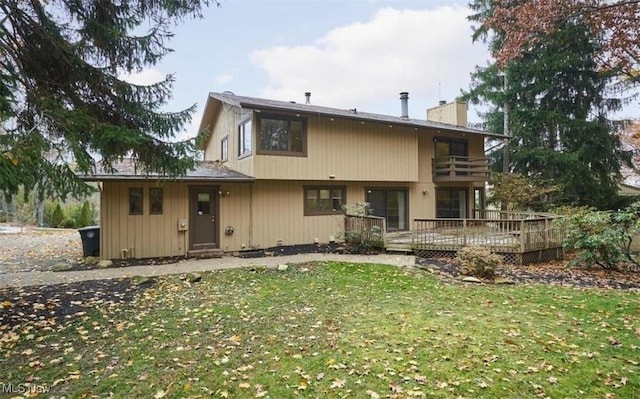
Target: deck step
205, 253
398, 247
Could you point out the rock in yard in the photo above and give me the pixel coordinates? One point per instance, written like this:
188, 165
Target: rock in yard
471, 279
193, 277
283, 268
90, 260
502, 280
139, 280
60, 267
105, 263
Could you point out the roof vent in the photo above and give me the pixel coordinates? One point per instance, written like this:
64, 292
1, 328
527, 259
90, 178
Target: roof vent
442, 102
307, 95
404, 105
228, 93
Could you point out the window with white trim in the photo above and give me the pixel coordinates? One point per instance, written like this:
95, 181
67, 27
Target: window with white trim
224, 149
244, 138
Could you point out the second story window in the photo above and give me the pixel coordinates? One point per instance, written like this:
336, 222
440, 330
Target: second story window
280, 135
446, 147
244, 139
224, 149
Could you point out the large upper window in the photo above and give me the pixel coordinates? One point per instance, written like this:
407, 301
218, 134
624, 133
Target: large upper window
244, 138
324, 200
281, 135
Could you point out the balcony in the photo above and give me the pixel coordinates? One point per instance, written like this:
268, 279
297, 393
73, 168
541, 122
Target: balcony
460, 169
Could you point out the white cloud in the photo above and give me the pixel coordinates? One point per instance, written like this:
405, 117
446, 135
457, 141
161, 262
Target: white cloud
145, 77
428, 53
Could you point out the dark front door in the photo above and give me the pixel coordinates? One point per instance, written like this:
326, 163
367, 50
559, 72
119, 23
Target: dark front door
203, 215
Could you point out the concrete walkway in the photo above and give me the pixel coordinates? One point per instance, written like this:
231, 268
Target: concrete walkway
26, 279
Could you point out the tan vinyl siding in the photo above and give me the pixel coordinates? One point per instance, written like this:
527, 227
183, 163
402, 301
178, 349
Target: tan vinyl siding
347, 150
262, 214
225, 123
278, 210
142, 236
235, 212
453, 113
476, 146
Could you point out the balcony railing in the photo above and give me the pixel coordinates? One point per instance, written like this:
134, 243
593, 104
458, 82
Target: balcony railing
460, 169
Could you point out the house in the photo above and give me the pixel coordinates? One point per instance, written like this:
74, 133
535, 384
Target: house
628, 190
279, 173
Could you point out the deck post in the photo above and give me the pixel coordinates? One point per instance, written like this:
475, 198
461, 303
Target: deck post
464, 232
546, 233
522, 237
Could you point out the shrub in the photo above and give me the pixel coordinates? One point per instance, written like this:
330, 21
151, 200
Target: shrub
363, 235
68, 223
603, 238
478, 261
56, 217
84, 218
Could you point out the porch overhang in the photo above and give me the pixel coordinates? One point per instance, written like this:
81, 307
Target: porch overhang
205, 171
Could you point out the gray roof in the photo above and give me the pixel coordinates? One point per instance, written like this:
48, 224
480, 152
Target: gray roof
309, 109
206, 170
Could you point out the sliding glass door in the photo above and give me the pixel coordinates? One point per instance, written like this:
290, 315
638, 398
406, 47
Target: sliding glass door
390, 204
451, 203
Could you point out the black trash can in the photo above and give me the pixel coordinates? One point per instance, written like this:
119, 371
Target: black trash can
90, 236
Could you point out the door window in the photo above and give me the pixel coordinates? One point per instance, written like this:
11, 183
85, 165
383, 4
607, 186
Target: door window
204, 203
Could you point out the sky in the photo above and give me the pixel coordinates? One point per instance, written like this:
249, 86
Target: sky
347, 53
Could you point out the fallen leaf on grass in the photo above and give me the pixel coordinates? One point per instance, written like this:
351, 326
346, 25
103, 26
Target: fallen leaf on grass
612, 340
338, 383
395, 388
372, 394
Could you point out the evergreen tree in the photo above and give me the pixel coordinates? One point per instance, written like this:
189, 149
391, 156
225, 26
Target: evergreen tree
557, 113
84, 218
57, 217
61, 92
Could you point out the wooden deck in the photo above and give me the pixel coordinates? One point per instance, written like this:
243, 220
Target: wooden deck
519, 237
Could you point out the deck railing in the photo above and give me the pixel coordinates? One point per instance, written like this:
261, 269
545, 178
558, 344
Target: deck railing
365, 229
461, 169
507, 232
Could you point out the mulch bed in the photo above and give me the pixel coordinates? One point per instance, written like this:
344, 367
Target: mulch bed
554, 273
52, 304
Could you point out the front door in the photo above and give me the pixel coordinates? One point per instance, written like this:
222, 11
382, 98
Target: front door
203, 212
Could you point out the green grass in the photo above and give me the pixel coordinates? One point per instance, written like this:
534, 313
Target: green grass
340, 330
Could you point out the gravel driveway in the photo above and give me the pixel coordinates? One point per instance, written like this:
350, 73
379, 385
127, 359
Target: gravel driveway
37, 249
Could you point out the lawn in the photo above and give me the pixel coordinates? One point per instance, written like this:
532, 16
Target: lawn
334, 330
